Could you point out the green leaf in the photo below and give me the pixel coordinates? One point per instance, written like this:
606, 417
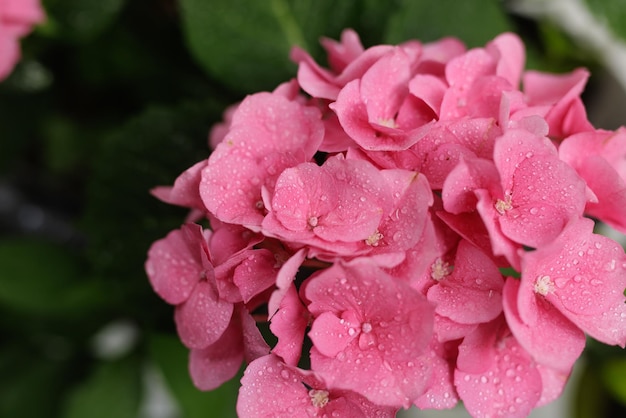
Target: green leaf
26, 377
43, 278
610, 12
475, 22
172, 359
121, 217
112, 390
242, 43
614, 377
80, 20
246, 44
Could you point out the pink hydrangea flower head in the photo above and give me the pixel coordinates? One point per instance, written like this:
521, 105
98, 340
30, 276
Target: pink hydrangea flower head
371, 223
17, 18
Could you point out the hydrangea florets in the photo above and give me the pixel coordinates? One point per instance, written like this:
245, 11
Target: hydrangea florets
413, 225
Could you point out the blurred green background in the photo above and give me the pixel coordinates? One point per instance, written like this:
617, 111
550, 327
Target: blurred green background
114, 97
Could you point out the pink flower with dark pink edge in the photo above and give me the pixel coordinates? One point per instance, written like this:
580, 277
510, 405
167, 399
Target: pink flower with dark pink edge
370, 333
556, 97
377, 111
470, 291
268, 134
219, 362
599, 157
584, 276
270, 388
181, 273
495, 376
17, 18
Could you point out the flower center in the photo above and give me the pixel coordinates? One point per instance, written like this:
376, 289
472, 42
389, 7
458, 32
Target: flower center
440, 269
544, 285
373, 239
502, 206
313, 221
319, 398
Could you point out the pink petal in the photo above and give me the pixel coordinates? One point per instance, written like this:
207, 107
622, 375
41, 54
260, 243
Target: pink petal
203, 318
512, 57
300, 394
561, 92
268, 134
174, 265
255, 273
441, 394
461, 73
473, 292
544, 332
598, 157
379, 314
584, 276
219, 362
185, 191
510, 386
289, 324
340, 54
331, 335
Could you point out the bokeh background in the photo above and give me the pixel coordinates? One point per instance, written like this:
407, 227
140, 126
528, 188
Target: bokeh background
114, 97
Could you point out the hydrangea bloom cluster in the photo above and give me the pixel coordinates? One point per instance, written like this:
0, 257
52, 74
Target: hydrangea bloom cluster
416, 228
17, 18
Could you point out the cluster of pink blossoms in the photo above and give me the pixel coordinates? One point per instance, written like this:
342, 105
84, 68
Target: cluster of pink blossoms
414, 227
17, 18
